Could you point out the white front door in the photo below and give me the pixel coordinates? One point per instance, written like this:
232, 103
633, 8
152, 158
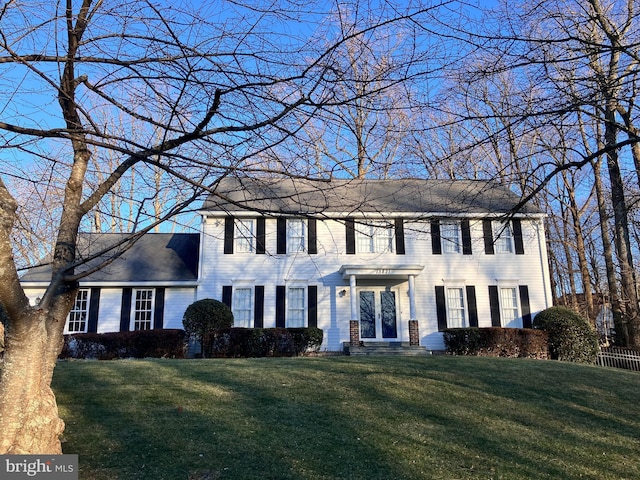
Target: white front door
378, 314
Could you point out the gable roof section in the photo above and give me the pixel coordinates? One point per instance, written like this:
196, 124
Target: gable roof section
153, 258
410, 196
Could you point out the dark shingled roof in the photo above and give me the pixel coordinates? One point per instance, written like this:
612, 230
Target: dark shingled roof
155, 257
297, 196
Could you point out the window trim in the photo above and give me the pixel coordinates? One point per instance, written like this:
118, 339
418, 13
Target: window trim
500, 239
288, 307
234, 308
465, 305
134, 309
244, 236
448, 246
300, 241
73, 310
376, 232
518, 320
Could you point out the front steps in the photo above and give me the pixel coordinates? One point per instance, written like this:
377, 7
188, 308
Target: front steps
384, 348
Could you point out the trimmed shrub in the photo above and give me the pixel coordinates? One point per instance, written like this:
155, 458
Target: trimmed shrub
496, 342
205, 316
263, 342
162, 343
571, 337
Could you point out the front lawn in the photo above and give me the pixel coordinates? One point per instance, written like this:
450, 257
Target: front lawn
349, 418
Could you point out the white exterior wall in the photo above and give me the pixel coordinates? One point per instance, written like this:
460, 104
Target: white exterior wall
176, 301
322, 269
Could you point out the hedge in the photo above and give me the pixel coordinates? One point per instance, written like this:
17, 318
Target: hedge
263, 342
497, 342
161, 343
572, 338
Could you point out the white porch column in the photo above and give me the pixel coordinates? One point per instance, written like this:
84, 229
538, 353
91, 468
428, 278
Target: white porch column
352, 297
412, 298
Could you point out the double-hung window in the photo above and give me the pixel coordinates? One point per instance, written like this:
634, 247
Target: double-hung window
509, 311
374, 237
450, 237
503, 237
142, 311
79, 314
456, 313
245, 235
296, 307
243, 307
296, 235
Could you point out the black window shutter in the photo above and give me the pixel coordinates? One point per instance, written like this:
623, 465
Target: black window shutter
312, 306
258, 307
281, 236
125, 309
260, 236
473, 308
399, 227
441, 308
494, 304
487, 230
436, 243
526, 307
94, 309
517, 236
281, 292
312, 236
228, 235
227, 291
466, 237
351, 236
158, 309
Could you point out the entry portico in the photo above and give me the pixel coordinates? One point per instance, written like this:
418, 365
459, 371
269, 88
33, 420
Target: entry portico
376, 302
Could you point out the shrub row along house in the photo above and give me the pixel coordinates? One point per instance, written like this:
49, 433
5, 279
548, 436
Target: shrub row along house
394, 261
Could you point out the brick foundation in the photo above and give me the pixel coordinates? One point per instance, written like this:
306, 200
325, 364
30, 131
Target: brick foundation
414, 333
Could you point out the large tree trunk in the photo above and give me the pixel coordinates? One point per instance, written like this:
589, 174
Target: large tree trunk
29, 419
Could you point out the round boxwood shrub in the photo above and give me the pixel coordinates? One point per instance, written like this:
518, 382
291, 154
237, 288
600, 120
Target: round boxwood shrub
571, 337
204, 316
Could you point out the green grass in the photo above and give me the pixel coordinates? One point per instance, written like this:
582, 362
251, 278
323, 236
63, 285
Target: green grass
350, 418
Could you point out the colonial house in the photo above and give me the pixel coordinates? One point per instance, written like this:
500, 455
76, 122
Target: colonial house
367, 261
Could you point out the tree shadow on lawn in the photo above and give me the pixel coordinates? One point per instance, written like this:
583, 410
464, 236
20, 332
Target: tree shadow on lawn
207, 423
329, 419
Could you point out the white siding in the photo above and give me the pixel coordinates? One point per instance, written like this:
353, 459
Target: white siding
109, 310
176, 301
479, 270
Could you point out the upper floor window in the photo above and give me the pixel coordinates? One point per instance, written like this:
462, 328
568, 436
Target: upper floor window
242, 307
142, 311
503, 237
374, 237
450, 237
296, 235
79, 314
244, 235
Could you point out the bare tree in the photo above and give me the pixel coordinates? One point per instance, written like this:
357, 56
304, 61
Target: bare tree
576, 59
218, 85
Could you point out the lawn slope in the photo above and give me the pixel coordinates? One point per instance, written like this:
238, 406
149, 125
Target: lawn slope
378, 418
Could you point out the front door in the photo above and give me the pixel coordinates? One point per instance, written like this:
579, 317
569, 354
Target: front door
378, 314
